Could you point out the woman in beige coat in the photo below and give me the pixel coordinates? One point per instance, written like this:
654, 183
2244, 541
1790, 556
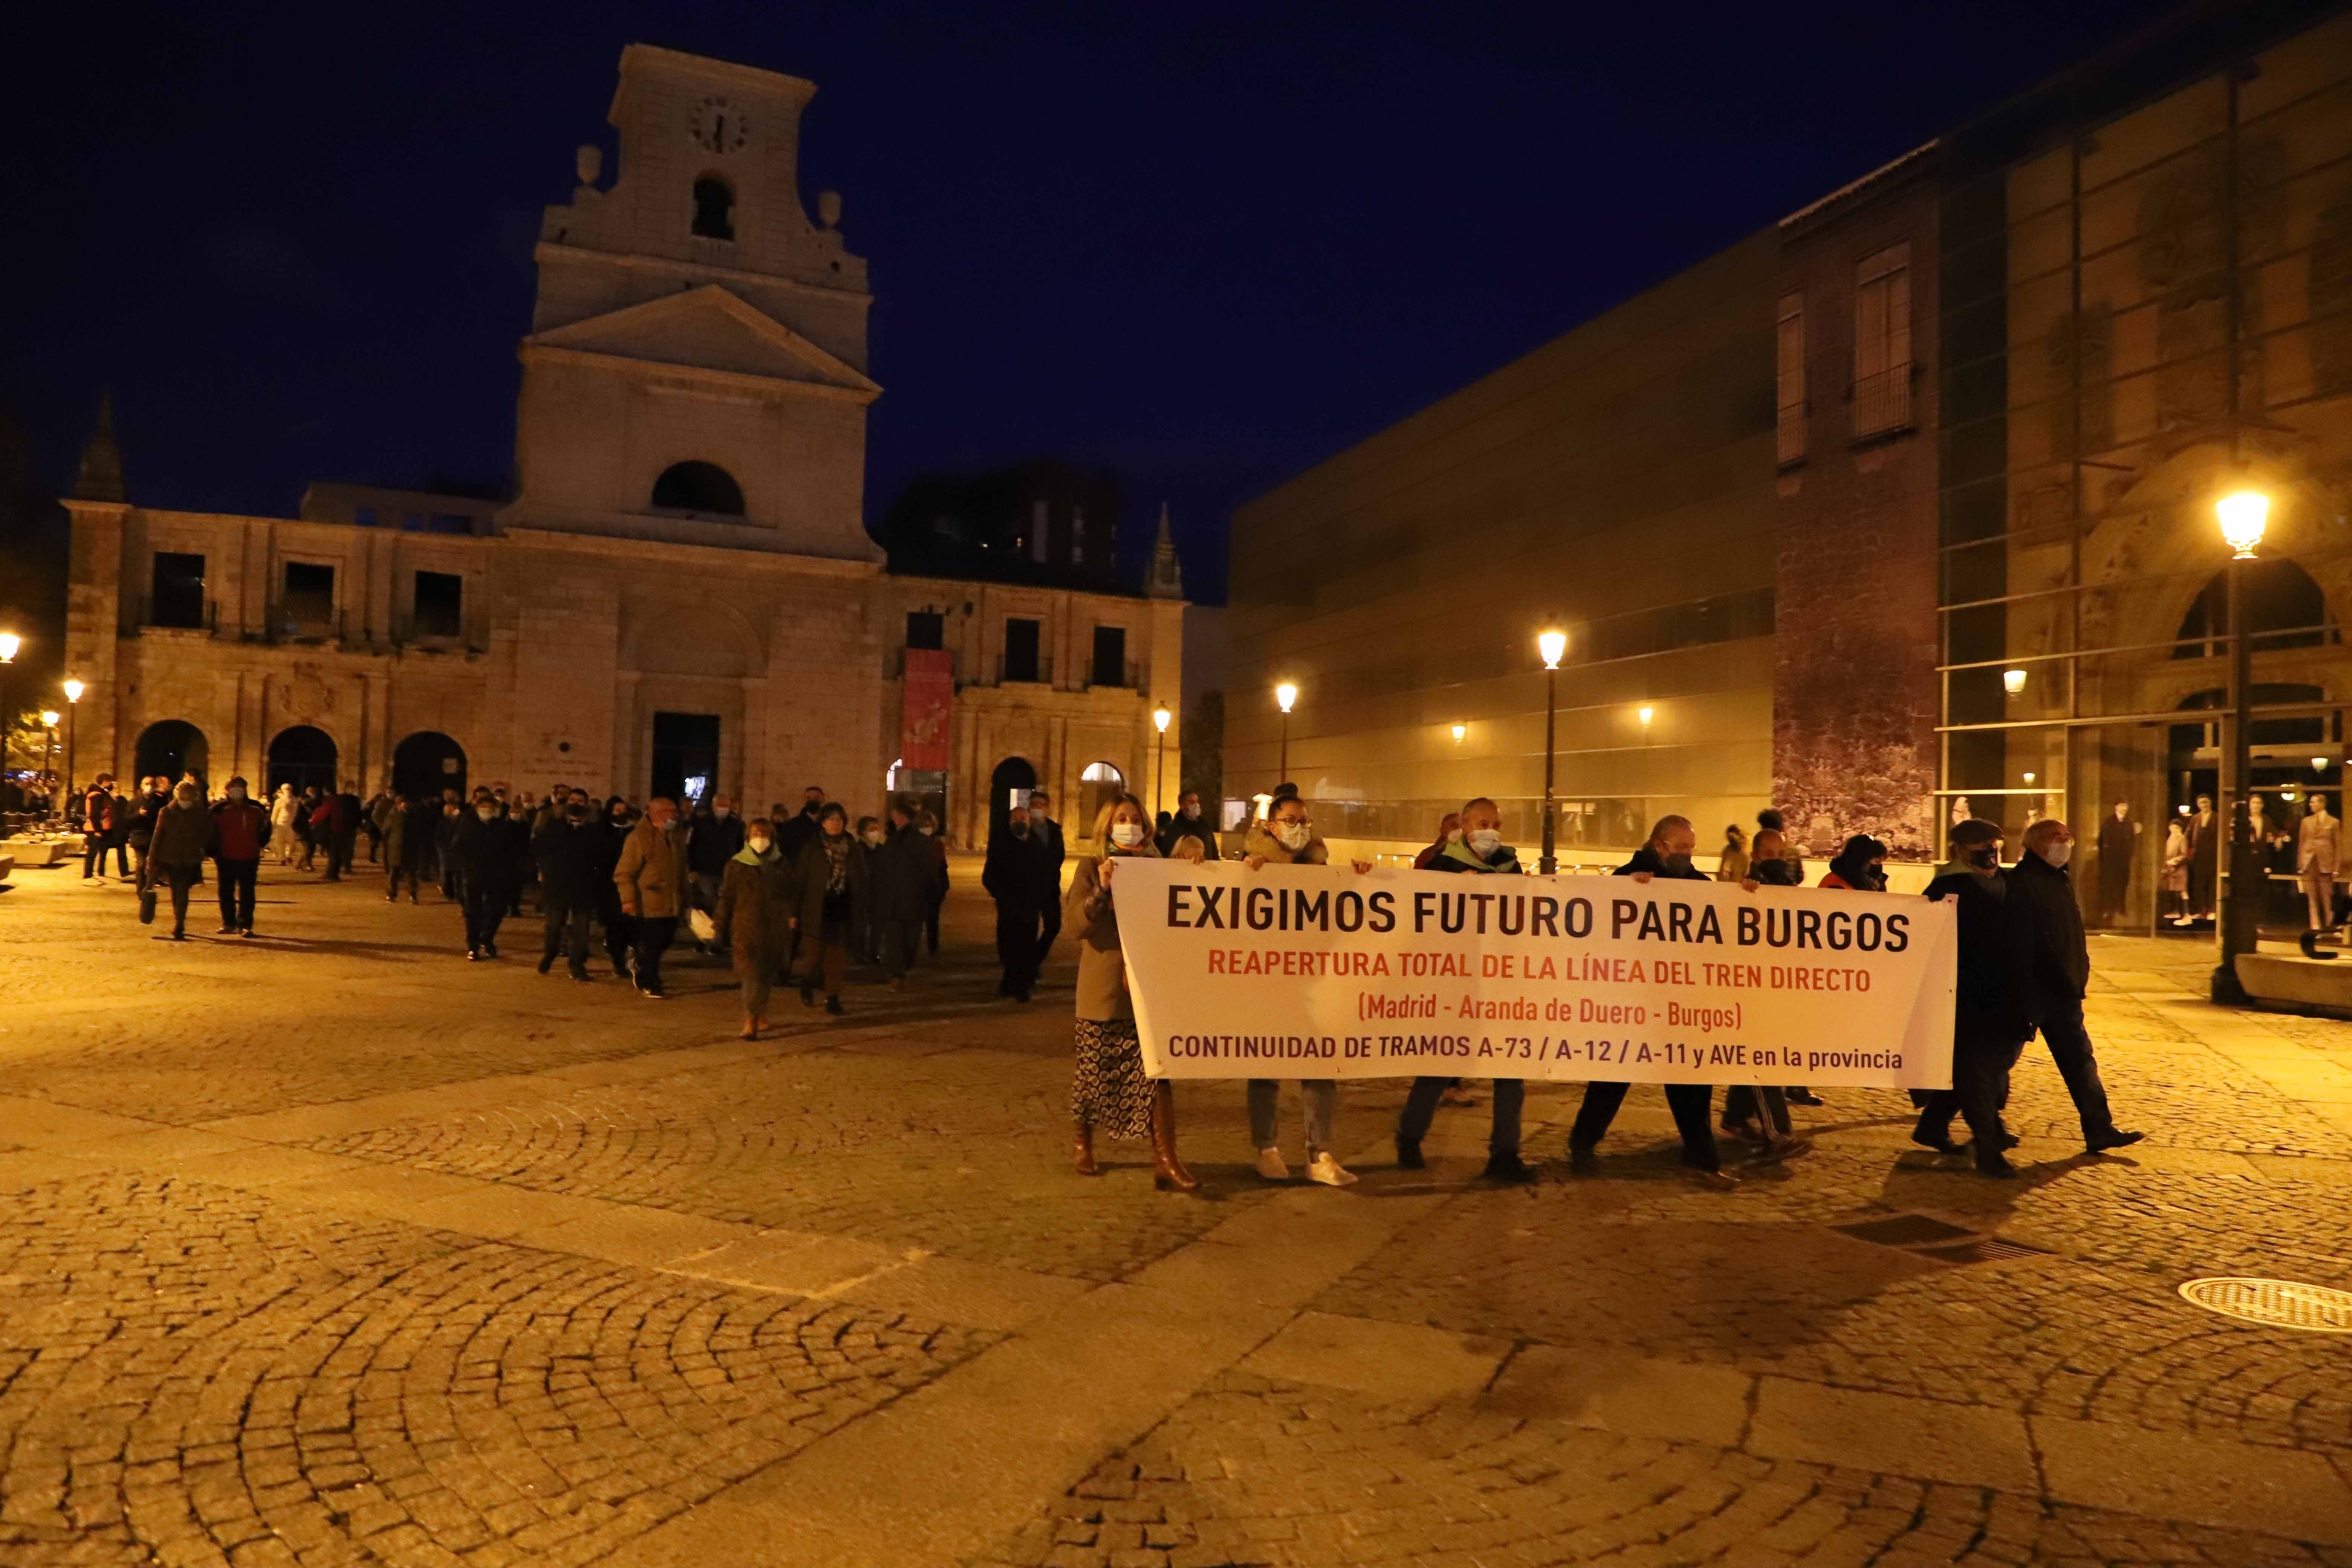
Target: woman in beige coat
1109, 1092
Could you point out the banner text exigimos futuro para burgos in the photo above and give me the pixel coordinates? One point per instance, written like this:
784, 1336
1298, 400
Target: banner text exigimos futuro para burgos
1321, 972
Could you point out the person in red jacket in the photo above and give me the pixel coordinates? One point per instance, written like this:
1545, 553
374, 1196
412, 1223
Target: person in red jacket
240, 831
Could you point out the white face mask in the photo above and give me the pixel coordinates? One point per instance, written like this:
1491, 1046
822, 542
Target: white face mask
1127, 835
485, 812
927, 830
1037, 814
236, 791
722, 812
1486, 841
1292, 836
760, 846
874, 836
2059, 854
1192, 812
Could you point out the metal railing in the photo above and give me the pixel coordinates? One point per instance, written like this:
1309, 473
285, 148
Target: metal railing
1037, 672
303, 623
1881, 402
205, 617
1127, 676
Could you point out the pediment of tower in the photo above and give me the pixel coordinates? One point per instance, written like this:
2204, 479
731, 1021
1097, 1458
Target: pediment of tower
706, 329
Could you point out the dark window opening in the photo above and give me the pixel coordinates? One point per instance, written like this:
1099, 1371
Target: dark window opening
1021, 661
714, 208
176, 591
2285, 607
1110, 655
363, 517
926, 629
699, 487
309, 597
440, 604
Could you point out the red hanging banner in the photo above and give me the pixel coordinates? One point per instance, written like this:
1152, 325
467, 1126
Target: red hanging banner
930, 692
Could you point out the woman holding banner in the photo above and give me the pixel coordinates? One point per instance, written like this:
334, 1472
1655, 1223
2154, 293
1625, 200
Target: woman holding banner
1107, 1090
1288, 839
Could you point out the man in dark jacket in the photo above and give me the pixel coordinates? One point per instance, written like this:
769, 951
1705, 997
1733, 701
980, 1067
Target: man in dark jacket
797, 833
488, 849
1017, 877
139, 832
1994, 1001
1481, 852
240, 831
105, 826
574, 879
1667, 853
1048, 834
1187, 823
901, 873
2061, 975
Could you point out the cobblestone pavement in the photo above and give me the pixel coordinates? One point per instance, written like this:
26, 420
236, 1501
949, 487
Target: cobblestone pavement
329, 1247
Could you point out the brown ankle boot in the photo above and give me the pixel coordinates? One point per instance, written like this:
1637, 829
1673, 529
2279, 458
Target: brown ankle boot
1168, 1172
1082, 1151
750, 1028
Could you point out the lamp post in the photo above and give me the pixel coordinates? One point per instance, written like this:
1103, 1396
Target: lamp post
1550, 645
1284, 695
73, 690
1160, 716
49, 742
2241, 516
9, 643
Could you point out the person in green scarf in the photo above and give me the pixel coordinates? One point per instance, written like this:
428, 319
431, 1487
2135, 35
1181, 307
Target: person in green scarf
754, 919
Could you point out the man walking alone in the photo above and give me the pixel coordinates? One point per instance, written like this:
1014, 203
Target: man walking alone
240, 830
650, 875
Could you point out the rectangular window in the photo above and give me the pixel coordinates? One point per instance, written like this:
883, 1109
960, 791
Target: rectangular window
412, 523
1790, 351
450, 522
1021, 661
1037, 527
1110, 655
364, 516
1882, 341
1077, 536
440, 604
176, 591
308, 604
926, 629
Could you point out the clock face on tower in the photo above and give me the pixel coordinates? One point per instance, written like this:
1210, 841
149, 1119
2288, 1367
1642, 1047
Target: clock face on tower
718, 126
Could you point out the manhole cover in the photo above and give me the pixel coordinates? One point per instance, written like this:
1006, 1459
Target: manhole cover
2280, 1303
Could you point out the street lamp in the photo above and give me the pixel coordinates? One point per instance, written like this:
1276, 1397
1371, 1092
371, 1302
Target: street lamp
2013, 681
1551, 644
1284, 695
73, 690
49, 735
9, 643
2242, 515
1459, 732
1160, 716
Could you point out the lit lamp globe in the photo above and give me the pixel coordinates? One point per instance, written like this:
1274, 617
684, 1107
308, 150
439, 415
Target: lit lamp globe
73, 690
2013, 681
49, 718
1160, 716
1646, 713
1285, 695
9, 643
1459, 732
1551, 644
2242, 516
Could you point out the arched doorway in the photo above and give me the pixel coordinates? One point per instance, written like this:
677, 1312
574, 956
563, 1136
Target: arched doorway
426, 764
302, 756
171, 747
1012, 781
1098, 787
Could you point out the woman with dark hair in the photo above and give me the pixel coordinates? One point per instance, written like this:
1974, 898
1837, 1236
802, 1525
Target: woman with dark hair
1861, 866
832, 884
1768, 861
1109, 1092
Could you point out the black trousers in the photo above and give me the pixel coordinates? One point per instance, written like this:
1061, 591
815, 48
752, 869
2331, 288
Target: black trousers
1690, 1103
1981, 1059
485, 908
339, 853
236, 880
93, 856
1741, 1102
655, 933
2070, 1047
1052, 914
931, 927
179, 879
393, 872
1420, 1109
567, 932
1017, 947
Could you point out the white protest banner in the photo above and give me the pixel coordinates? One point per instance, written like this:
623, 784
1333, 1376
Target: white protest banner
1322, 972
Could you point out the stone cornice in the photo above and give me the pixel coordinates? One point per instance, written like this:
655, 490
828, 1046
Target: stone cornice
736, 380
709, 297
548, 250
635, 551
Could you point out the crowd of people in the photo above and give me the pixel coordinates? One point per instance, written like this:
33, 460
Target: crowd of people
793, 897
2024, 968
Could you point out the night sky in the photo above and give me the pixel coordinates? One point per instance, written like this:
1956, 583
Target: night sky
1205, 245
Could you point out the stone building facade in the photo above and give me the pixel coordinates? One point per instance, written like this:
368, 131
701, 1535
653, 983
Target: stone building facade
679, 592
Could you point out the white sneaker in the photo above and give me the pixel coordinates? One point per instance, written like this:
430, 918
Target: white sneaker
1329, 1171
1270, 1165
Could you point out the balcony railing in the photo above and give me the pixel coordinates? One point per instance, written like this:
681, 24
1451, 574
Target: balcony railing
1035, 672
175, 616
304, 623
1881, 402
894, 665
1127, 676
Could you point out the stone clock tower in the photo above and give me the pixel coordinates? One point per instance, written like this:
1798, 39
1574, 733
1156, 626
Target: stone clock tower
696, 370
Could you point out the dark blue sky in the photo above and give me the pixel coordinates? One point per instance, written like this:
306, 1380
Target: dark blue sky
1205, 245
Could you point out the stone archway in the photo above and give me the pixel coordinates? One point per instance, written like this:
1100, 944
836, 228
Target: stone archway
302, 755
171, 747
428, 762
1013, 776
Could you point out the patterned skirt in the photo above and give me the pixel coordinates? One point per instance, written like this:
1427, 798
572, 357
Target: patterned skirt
1107, 1090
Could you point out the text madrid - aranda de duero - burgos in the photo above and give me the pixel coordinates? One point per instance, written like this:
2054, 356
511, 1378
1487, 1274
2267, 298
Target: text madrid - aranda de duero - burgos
1323, 971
